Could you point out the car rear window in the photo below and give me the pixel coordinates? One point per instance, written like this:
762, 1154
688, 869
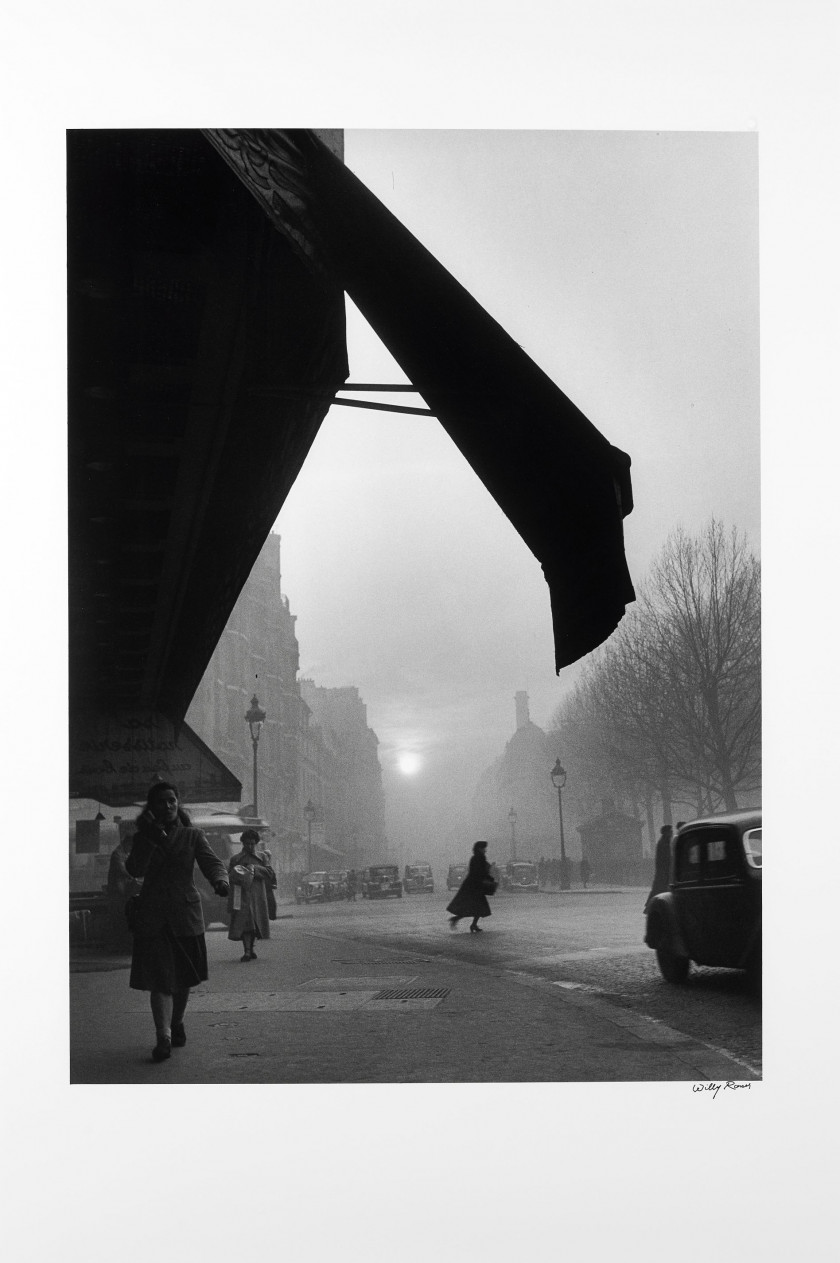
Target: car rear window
687, 865
707, 855
720, 862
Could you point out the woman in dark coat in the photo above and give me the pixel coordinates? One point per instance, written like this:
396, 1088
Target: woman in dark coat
170, 954
121, 887
470, 899
251, 877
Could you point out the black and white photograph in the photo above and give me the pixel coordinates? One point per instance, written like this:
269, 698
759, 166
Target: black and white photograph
406, 409
359, 571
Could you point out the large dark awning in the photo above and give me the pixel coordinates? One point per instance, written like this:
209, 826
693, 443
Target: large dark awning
185, 308
562, 485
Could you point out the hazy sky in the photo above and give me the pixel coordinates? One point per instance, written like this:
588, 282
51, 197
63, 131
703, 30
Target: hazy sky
626, 265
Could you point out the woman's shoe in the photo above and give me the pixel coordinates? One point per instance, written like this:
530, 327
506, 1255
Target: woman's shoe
247, 956
453, 921
253, 955
475, 929
162, 1049
179, 1035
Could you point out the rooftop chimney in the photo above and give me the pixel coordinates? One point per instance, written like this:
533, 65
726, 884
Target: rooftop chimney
522, 716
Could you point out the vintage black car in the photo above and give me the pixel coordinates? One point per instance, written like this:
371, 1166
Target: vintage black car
336, 887
456, 874
381, 880
418, 877
312, 888
711, 912
521, 876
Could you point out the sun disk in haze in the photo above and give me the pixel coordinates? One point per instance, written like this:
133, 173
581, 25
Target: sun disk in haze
408, 763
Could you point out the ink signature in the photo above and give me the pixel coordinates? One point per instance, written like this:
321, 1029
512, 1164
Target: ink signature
714, 1088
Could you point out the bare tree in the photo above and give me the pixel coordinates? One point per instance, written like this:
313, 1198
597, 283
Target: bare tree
705, 595
672, 706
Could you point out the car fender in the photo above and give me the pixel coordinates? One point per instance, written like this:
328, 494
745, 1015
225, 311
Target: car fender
662, 927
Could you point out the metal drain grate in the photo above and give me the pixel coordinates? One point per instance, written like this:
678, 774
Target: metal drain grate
412, 993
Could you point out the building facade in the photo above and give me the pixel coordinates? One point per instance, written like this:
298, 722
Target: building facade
351, 775
321, 754
520, 782
611, 842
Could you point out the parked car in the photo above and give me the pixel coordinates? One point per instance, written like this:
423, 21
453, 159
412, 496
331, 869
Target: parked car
456, 874
418, 877
381, 880
520, 876
711, 912
337, 885
312, 888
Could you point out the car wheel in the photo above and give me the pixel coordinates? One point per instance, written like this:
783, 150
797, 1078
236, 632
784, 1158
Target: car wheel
673, 968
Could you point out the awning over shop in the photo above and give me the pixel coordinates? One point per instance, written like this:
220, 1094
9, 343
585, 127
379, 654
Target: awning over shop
182, 302
562, 485
322, 849
114, 760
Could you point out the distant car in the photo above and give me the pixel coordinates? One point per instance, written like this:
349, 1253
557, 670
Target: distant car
520, 876
418, 877
711, 913
312, 888
337, 885
380, 881
456, 874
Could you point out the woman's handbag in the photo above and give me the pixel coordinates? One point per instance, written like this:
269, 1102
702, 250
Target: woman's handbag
489, 886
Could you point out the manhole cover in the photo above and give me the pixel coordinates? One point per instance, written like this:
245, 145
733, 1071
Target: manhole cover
412, 993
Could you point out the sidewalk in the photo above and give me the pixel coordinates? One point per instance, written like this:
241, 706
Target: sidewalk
322, 1008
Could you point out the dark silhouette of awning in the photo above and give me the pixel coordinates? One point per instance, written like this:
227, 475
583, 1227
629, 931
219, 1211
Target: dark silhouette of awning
562, 485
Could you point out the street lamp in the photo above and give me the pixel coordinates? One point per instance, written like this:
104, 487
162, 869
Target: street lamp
256, 718
512, 819
558, 779
309, 816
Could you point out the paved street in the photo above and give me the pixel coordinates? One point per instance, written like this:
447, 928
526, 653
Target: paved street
558, 988
587, 940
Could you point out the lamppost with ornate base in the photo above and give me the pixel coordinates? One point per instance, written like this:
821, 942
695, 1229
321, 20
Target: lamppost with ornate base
256, 718
558, 779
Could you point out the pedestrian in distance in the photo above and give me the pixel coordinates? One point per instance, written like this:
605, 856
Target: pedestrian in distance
585, 872
351, 885
251, 877
471, 896
169, 954
661, 864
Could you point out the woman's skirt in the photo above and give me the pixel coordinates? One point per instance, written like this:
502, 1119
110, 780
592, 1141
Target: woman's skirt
168, 963
469, 903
